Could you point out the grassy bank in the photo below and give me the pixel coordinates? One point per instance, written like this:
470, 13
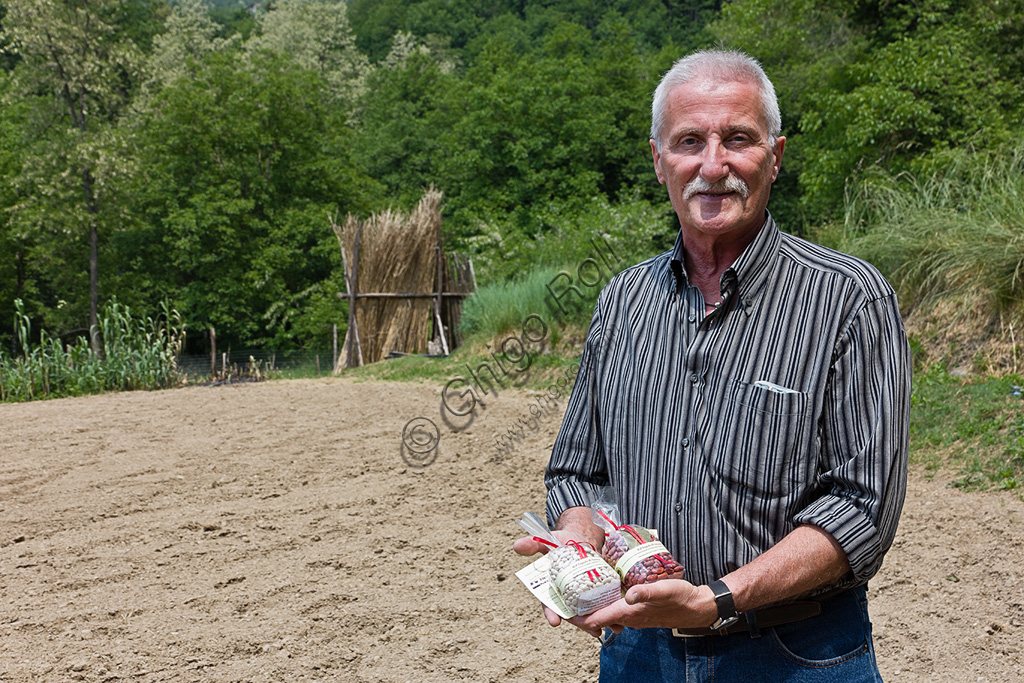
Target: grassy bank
952, 244
483, 357
972, 429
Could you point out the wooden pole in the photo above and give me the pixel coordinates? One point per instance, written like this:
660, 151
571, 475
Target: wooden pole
213, 352
346, 273
351, 275
334, 355
405, 295
437, 299
353, 351
355, 279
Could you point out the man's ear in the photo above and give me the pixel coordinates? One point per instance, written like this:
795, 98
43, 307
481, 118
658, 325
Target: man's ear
777, 150
656, 155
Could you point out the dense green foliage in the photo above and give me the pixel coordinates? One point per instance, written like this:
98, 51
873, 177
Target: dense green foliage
197, 148
892, 85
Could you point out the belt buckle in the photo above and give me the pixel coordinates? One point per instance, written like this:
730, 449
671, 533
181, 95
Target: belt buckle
677, 633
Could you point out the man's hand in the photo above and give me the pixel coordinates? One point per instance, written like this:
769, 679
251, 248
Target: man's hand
670, 603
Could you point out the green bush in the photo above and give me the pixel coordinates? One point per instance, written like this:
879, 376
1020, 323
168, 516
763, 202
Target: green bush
576, 256
616, 235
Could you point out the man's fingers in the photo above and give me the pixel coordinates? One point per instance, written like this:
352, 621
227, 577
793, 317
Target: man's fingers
659, 591
552, 618
581, 624
527, 546
638, 594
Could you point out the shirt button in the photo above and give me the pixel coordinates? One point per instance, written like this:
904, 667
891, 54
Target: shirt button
686, 442
692, 317
679, 507
693, 378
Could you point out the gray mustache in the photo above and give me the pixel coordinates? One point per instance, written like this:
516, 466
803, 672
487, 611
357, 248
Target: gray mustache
729, 184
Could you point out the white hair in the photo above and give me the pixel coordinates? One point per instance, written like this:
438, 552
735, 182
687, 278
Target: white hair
721, 65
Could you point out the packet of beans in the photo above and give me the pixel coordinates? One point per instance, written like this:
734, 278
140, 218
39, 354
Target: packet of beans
635, 552
572, 579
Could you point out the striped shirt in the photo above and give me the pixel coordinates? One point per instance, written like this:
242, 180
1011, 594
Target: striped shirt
787, 404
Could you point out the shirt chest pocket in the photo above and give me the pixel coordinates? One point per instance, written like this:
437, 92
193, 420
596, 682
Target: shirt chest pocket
763, 445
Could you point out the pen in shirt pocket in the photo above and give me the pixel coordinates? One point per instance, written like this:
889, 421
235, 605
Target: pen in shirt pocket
774, 388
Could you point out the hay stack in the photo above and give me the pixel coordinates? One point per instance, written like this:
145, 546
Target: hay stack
396, 253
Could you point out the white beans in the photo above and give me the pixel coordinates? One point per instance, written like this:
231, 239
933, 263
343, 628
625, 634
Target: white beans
582, 578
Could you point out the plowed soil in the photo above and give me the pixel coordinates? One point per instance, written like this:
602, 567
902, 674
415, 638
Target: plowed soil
277, 532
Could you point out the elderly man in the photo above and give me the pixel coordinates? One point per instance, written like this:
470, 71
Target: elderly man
747, 395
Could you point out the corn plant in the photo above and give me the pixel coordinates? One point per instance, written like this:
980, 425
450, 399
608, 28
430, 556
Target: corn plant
136, 353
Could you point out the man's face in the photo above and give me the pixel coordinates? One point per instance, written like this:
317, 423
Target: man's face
717, 158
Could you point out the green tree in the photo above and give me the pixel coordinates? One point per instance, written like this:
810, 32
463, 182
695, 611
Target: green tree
404, 108
189, 34
560, 127
316, 35
907, 102
461, 23
78, 70
239, 167
14, 278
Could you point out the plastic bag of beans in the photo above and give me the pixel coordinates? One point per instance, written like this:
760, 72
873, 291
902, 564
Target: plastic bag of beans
578, 575
637, 555
582, 578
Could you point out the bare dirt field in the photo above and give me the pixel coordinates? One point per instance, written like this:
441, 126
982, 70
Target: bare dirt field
273, 532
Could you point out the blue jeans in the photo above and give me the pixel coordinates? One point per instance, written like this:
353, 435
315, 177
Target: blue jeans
834, 646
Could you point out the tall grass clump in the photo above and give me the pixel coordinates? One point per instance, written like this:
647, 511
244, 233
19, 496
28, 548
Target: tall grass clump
957, 234
502, 307
136, 353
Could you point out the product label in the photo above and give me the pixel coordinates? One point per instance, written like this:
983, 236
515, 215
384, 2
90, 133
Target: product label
535, 577
596, 598
641, 552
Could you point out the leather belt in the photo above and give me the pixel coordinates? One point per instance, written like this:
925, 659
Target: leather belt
752, 622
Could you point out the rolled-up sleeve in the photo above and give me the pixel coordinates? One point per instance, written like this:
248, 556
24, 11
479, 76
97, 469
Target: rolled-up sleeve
577, 469
864, 437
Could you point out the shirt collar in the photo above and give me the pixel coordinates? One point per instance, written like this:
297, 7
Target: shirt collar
748, 273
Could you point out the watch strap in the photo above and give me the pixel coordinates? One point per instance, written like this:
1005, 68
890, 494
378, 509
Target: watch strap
727, 614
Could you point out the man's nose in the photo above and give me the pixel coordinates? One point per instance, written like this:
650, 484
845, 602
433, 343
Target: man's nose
713, 162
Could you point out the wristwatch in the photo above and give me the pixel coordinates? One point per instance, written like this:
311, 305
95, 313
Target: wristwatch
727, 614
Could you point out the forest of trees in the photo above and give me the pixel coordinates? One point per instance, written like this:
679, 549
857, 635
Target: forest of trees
191, 152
